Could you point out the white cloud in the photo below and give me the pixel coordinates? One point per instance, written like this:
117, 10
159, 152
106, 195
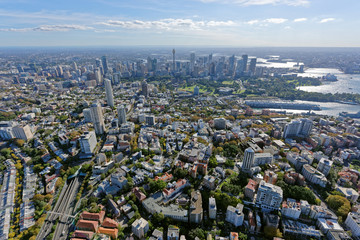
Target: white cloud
49, 28
168, 24
266, 22
275, 20
262, 2
300, 19
325, 20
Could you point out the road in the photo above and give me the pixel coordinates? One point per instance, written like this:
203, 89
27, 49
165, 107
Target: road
61, 211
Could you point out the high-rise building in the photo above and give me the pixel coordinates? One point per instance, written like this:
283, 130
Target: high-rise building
109, 93
121, 114
104, 64
74, 66
269, 196
244, 62
196, 210
212, 208
144, 88
150, 120
97, 118
298, 128
87, 115
98, 76
248, 161
235, 215
196, 91
88, 142
220, 123
252, 66
192, 61
174, 66
140, 227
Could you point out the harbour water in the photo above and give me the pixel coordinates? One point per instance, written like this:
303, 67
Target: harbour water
347, 83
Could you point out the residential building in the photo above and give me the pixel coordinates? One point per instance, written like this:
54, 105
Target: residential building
235, 215
353, 223
250, 189
150, 120
291, 209
173, 233
298, 230
324, 166
270, 177
88, 142
248, 159
109, 93
97, 118
140, 227
269, 196
212, 208
326, 225
196, 210
87, 115
313, 175
337, 235
298, 128
351, 194
121, 110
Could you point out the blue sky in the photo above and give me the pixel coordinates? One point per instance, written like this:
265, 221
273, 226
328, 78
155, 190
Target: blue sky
245, 23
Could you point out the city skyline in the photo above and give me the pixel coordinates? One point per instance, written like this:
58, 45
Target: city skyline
247, 23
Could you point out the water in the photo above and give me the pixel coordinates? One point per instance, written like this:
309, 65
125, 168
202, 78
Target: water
347, 83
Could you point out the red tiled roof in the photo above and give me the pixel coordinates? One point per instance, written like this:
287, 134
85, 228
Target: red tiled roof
109, 223
113, 232
93, 216
87, 225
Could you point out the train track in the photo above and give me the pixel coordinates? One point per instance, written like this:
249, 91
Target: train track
62, 207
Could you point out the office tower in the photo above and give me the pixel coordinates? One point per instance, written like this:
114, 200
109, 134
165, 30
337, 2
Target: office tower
23, 132
97, 118
252, 66
109, 93
269, 196
98, 62
150, 120
149, 64
231, 65
210, 58
220, 123
87, 115
98, 76
20, 68
88, 142
104, 64
248, 161
196, 91
74, 66
245, 60
144, 88
121, 114
174, 67
60, 71
192, 61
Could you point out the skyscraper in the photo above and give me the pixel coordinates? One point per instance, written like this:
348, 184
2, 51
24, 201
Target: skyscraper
192, 61
252, 66
245, 60
144, 88
174, 67
97, 118
109, 93
121, 114
248, 161
104, 64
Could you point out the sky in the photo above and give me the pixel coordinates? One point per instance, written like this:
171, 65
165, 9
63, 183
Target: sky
242, 23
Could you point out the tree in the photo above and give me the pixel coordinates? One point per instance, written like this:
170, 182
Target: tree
271, 232
157, 185
19, 142
213, 162
340, 204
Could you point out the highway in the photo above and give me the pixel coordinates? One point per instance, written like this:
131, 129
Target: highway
61, 211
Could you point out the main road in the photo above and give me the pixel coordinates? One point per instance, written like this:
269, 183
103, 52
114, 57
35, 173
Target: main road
61, 212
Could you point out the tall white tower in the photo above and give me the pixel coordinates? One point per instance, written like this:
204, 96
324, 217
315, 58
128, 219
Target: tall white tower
109, 93
97, 118
248, 161
121, 114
